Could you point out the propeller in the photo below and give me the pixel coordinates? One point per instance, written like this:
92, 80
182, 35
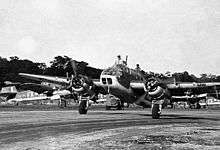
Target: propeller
74, 67
78, 82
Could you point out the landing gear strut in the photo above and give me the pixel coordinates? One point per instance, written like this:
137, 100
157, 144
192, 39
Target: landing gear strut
119, 106
198, 106
156, 108
83, 107
156, 111
63, 103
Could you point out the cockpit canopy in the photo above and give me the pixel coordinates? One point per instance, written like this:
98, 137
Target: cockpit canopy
115, 70
120, 70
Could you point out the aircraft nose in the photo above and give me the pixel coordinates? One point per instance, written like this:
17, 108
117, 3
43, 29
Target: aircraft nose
107, 80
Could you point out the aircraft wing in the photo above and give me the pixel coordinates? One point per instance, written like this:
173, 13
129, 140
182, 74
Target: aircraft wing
191, 99
42, 78
28, 99
137, 85
192, 85
39, 88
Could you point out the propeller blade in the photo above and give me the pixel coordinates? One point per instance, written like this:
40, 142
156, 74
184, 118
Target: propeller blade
78, 82
74, 67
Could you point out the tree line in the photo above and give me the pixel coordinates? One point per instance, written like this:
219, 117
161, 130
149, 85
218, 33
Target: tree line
9, 69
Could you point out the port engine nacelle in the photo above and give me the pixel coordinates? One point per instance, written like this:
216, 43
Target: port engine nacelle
80, 84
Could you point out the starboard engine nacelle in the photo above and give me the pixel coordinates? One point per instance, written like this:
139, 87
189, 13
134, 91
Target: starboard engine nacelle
156, 90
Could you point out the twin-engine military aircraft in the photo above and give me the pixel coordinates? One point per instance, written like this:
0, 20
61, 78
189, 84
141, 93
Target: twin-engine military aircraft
129, 86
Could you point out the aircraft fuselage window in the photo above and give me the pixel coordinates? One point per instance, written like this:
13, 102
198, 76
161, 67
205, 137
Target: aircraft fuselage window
109, 80
104, 80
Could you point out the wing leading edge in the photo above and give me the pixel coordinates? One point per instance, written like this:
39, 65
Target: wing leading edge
42, 78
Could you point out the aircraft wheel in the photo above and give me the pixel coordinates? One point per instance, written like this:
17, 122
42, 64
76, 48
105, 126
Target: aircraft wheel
156, 111
82, 107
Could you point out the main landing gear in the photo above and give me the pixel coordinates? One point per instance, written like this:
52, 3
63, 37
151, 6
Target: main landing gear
83, 108
63, 103
156, 109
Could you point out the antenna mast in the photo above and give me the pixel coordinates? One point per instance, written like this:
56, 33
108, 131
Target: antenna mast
126, 60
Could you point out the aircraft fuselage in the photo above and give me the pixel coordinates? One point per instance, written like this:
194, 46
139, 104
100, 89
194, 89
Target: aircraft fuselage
116, 81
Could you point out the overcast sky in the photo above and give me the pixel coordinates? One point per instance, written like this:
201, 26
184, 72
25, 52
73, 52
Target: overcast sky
160, 35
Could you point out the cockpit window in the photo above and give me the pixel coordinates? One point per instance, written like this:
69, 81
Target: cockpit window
109, 80
104, 80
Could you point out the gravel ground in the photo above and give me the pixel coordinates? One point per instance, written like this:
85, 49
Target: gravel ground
176, 136
128, 129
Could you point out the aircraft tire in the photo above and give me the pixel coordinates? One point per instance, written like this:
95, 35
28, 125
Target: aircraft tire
155, 111
82, 107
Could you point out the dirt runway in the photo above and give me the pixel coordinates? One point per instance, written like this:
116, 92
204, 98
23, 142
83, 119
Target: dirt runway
100, 129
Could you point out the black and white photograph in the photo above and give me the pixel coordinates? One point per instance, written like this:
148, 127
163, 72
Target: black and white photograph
109, 74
